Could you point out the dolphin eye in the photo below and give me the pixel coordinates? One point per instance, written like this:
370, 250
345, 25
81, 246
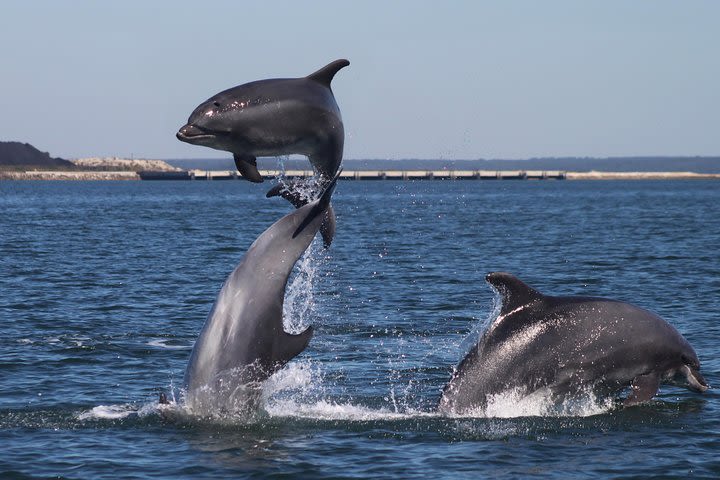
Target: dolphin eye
686, 360
217, 104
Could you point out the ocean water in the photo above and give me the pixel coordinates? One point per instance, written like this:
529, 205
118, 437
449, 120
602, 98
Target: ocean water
104, 287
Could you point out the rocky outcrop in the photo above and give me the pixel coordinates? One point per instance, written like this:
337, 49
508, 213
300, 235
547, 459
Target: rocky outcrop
17, 154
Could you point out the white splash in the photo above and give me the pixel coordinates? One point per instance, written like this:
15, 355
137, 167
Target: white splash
329, 410
540, 403
302, 377
298, 391
482, 326
299, 303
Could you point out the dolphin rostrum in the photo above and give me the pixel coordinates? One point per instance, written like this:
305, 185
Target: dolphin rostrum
273, 117
243, 342
567, 345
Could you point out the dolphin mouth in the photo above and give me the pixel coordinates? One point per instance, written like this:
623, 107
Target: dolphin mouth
696, 382
192, 134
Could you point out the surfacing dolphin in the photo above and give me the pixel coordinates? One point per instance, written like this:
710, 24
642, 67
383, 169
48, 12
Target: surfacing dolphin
567, 345
273, 117
243, 342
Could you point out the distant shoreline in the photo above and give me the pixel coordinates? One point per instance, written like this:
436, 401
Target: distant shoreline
60, 175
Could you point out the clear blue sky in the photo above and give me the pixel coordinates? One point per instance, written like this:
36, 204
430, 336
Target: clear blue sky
451, 80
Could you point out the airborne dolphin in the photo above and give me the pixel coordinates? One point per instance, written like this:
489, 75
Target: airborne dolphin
242, 342
273, 117
567, 345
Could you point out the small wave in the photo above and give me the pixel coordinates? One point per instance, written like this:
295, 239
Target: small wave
117, 412
162, 343
108, 412
64, 341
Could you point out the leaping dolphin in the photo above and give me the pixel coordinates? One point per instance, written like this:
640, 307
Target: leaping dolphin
273, 117
243, 342
567, 345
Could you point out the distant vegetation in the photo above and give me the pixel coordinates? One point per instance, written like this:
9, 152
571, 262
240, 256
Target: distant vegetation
23, 156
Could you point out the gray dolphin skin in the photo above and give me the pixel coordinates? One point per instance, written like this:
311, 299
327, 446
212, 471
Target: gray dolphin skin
566, 345
243, 342
273, 117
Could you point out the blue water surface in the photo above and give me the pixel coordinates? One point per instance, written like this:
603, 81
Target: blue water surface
104, 287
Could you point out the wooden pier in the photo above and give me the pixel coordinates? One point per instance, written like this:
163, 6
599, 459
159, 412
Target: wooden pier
369, 175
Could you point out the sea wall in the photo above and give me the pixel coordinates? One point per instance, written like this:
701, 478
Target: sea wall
152, 174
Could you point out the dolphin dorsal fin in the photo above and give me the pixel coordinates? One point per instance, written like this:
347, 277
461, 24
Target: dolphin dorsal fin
325, 75
514, 291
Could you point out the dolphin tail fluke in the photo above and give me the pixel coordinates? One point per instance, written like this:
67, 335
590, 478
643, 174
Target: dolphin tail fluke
644, 387
323, 203
247, 166
325, 75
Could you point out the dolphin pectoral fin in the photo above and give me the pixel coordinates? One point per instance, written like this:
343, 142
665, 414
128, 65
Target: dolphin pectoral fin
290, 192
695, 381
247, 166
275, 191
644, 387
290, 346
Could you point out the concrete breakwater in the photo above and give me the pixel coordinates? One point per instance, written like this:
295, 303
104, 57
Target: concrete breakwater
437, 175
355, 175
367, 175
